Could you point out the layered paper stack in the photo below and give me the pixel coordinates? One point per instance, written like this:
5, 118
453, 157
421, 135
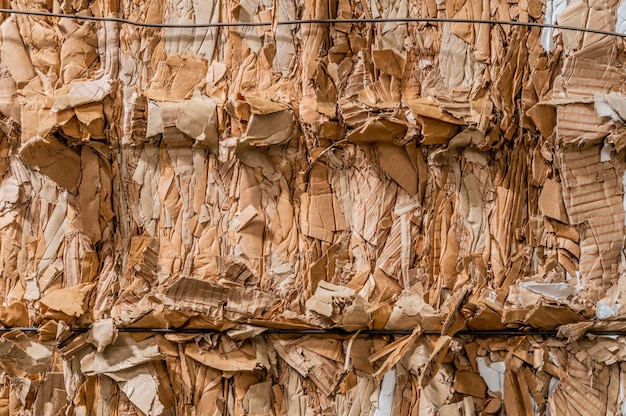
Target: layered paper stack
399, 176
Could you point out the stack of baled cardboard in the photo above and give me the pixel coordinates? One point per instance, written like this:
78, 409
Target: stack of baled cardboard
424, 178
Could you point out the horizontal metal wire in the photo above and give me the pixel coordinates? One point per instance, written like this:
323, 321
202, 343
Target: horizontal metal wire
310, 22
339, 332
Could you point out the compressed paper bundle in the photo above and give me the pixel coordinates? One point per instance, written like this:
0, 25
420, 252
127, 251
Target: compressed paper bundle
232, 183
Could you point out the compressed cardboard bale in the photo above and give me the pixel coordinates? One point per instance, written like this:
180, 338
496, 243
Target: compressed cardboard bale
394, 176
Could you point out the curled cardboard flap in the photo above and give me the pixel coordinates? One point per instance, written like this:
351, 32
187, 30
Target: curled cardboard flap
427, 107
